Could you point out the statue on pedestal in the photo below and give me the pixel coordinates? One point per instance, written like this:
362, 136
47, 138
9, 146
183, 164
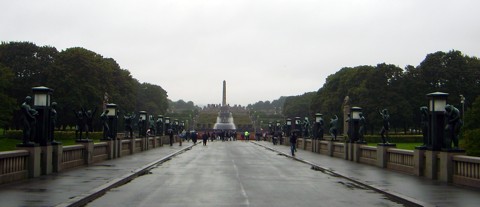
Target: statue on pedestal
106, 128
452, 129
128, 125
29, 120
333, 127
361, 129
386, 125
425, 125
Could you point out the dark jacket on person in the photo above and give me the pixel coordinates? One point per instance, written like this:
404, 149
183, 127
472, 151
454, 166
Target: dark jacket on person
293, 138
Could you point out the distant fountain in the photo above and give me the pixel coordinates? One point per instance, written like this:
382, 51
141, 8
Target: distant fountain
224, 118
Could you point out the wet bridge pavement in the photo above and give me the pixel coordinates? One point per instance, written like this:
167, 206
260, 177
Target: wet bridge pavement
232, 174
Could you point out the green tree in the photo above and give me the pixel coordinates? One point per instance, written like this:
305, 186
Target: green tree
7, 103
471, 129
298, 106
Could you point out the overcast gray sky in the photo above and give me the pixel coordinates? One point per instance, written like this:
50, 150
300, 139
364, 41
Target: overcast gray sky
264, 49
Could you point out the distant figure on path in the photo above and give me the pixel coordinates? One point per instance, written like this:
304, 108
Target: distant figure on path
205, 138
293, 142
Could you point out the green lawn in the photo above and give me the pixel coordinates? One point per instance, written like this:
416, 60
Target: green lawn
407, 146
7, 144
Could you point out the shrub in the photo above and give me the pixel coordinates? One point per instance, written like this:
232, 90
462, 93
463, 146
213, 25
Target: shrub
471, 142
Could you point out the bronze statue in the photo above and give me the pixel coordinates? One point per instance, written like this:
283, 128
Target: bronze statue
89, 120
452, 129
320, 125
53, 121
425, 125
128, 124
306, 127
106, 128
333, 127
29, 120
80, 124
361, 129
386, 125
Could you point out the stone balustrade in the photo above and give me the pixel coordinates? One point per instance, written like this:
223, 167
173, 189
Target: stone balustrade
28, 162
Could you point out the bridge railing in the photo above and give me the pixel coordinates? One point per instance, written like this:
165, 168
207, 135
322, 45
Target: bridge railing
43, 160
13, 165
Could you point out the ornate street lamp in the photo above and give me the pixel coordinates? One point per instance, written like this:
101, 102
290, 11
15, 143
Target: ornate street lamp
354, 123
167, 124
41, 103
437, 103
288, 122
112, 120
159, 125
142, 124
318, 133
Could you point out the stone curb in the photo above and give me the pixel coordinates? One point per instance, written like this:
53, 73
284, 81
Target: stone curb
409, 201
85, 198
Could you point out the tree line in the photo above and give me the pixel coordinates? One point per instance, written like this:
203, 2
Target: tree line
79, 78
401, 91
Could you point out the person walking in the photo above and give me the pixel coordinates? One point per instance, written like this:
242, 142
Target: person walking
205, 138
247, 135
293, 142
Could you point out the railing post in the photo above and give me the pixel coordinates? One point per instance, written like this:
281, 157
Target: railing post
419, 162
46, 159
431, 164
34, 156
88, 147
382, 154
357, 151
447, 164
57, 157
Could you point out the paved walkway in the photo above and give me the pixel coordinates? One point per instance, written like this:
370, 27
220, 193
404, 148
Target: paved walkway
428, 191
71, 186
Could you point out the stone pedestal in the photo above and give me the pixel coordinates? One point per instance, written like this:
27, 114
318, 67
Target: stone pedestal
111, 149
88, 145
346, 150
446, 164
329, 147
357, 152
382, 158
57, 157
46, 159
144, 144
33, 165
419, 161
431, 164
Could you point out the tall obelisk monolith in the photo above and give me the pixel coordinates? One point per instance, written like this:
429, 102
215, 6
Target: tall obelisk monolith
224, 118
224, 98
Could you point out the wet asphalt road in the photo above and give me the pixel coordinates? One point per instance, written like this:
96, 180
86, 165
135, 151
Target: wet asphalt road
238, 174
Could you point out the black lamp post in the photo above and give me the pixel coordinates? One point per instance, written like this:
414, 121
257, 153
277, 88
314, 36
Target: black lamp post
175, 126
298, 126
142, 124
270, 128
167, 124
354, 123
318, 133
289, 126
112, 120
437, 103
160, 125
41, 103
182, 126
